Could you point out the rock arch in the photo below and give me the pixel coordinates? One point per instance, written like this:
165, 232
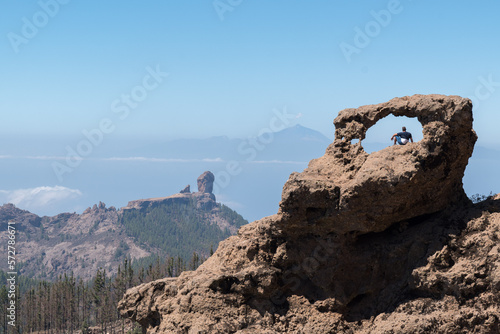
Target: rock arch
349, 190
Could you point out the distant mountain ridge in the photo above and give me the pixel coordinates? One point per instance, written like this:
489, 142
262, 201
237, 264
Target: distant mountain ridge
153, 167
270, 145
176, 225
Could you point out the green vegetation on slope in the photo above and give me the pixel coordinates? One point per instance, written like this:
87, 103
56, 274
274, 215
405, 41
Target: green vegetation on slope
179, 229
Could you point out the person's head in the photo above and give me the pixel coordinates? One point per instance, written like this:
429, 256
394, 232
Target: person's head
404, 128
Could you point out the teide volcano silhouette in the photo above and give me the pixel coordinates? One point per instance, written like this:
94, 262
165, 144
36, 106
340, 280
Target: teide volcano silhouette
362, 243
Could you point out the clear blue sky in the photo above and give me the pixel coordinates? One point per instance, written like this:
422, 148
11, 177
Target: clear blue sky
68, 66
226, 76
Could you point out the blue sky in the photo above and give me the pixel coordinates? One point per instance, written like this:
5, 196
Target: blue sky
227, 75
67, 65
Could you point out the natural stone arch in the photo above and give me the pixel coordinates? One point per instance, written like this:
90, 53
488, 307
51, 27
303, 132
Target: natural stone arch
353, 123
349, 190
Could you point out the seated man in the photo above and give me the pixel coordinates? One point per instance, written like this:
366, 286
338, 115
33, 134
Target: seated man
402, 138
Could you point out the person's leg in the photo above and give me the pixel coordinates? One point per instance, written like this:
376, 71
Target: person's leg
398, 138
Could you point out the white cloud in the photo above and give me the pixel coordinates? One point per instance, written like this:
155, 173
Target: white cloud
48, 157
144, 159
212, 160
40, 197
283, 162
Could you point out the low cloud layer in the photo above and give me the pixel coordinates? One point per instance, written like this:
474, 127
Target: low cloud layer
39, 199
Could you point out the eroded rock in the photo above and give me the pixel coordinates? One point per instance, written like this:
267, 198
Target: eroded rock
348, 190
186, 190
359, 239
206, 182
204, 198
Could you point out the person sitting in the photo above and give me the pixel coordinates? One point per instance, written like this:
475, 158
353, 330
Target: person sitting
402, 138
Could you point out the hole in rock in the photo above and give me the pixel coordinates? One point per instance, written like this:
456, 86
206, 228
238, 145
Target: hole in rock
354, 141
379, 135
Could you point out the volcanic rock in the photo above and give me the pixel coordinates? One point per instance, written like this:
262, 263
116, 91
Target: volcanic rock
363, 243
348, 190
204, 198
206, 182
10, 212
186, 190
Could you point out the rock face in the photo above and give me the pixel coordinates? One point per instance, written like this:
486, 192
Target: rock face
394, 184
386, 242
204, 198
68, 242
186, 190
206, 182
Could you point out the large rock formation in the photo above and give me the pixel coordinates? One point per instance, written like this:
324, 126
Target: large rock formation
349, 190
204, 198
206, 182
186, 190
386, 242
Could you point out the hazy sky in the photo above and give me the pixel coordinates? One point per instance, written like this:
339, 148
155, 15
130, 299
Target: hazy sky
169, 69
66, 65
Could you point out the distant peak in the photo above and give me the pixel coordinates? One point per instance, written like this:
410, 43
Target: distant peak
206, 182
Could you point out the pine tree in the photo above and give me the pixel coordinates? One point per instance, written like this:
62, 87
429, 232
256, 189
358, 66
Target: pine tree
97, 295
4, 300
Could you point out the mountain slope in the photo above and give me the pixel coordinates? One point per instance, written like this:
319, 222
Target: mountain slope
293, 143
179, 228
177, 225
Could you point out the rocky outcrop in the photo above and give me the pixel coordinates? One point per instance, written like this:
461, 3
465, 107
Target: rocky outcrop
186, 190
142, 204
10, 212
206, 182
348, 190
362, 243
204, 198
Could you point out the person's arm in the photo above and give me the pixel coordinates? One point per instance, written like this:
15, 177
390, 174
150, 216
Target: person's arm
394, 135
411, 138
